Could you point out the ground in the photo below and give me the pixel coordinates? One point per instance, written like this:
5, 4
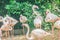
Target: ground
22, 37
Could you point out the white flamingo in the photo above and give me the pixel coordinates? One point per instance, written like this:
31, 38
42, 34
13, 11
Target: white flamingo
34, 11
23, 19
50, 17
38, 19
38, 33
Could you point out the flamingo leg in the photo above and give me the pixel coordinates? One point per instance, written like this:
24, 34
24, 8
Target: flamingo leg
8, 33
13, 34
53, 32
23, 31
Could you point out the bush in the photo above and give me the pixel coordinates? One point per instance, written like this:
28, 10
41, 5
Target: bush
25, 8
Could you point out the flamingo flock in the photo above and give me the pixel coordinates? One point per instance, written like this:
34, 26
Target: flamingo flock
38, 32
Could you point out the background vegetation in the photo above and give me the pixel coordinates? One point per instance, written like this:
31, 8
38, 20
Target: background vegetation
16, 7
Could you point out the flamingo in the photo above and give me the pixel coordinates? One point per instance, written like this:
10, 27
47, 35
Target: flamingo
23, 19
36, 33
5, 26
38, 22
38, 19
57, 25
9, 22
12, 21
50, 17
34, 7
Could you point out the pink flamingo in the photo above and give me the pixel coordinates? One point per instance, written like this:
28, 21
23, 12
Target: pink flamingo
50, 17
36, 33
8, 23
38, 21
57, 25
23, 19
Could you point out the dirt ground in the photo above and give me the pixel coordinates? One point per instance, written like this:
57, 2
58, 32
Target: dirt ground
22, 37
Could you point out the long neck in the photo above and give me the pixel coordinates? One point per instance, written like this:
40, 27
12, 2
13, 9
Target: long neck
33, 10
27, 34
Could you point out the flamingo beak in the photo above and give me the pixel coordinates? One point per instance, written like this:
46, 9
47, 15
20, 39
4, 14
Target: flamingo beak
37, 7
47, 13
23, 25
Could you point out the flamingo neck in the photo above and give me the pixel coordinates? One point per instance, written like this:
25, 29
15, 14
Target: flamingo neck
33, 9
27, 34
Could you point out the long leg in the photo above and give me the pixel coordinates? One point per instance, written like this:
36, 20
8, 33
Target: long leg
23, 31
6, 34
53, 32
12, 33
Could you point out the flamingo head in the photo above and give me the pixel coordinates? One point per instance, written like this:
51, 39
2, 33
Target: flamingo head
47, 11
35, 7
48, 18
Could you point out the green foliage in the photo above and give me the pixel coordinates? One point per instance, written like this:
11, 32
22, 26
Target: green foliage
19, 8
25, 8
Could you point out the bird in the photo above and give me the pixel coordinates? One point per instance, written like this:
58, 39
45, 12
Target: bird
57, 25
38, 18
38, 21
36, 33
5, 27
34, 7
50, 17
8, 23
12, 21
23, 19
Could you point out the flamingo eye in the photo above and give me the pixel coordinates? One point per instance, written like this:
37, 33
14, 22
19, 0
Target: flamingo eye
5, 20
48, 12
